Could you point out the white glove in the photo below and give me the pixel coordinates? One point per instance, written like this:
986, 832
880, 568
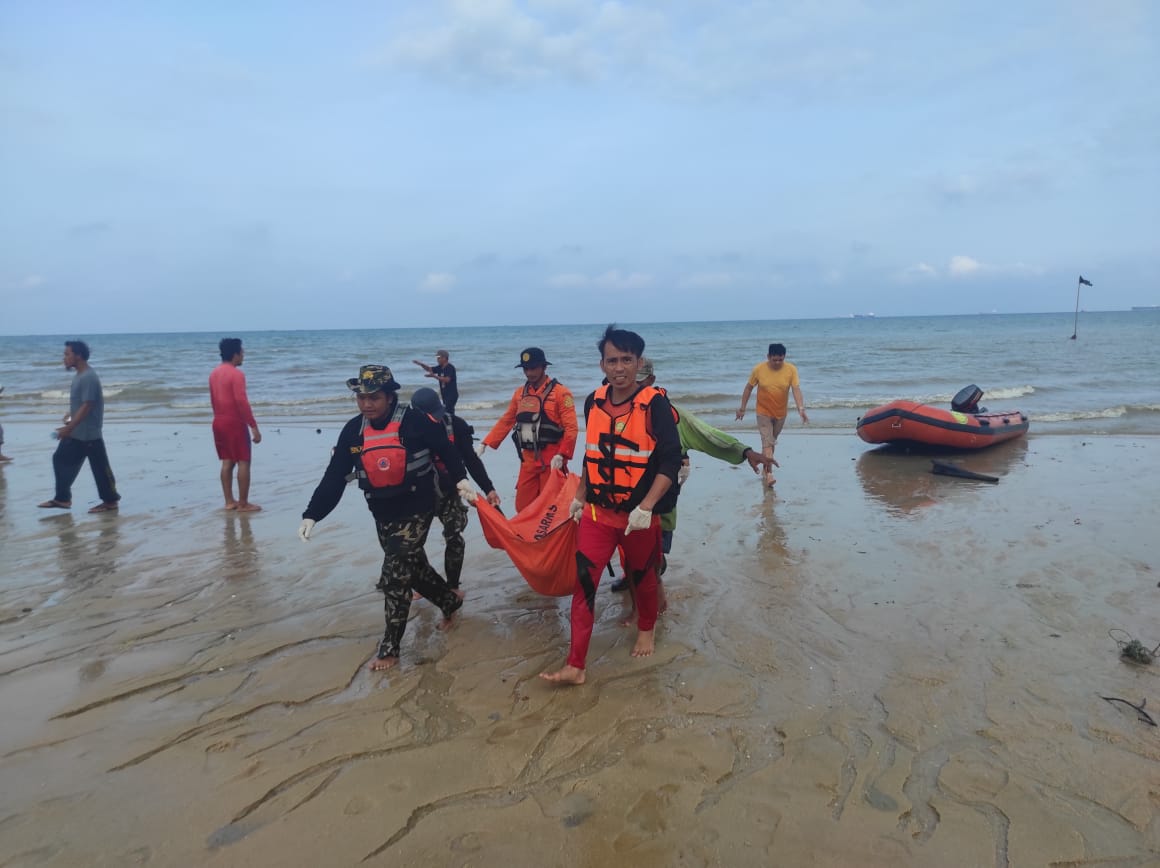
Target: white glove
480, 449
557, 461
576, 510
466, 490
638, 519
305, 528
683, 474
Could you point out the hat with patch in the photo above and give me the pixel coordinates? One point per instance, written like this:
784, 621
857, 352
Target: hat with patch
532, 357
646, 370
371, 379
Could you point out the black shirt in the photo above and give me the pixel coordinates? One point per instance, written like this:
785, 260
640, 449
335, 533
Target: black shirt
417, 432
464, 438
449, 391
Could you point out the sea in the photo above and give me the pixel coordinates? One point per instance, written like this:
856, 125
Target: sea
1105, 381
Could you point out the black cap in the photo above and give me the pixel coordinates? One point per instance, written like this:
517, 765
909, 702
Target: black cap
428, 401
532, 357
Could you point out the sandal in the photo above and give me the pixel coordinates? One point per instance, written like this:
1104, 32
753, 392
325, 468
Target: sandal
104, 507
55, 504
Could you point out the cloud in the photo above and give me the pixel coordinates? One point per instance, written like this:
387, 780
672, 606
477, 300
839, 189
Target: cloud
743, 48
920, 270
437, 283
965, 266
962, 266
497, 41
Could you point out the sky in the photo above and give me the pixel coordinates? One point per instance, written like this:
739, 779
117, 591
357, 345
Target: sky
177, 166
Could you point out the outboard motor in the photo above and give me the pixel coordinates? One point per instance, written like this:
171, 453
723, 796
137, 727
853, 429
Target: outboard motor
967, 400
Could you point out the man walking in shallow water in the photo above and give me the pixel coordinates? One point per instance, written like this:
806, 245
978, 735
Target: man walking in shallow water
632, 454
390, 448
773, 378
81, 436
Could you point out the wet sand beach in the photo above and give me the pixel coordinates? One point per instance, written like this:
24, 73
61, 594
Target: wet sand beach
871, 665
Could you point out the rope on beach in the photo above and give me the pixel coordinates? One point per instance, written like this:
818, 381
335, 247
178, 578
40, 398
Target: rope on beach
1133, 650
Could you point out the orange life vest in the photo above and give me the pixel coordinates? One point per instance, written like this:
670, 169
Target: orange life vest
386, 467
617, 449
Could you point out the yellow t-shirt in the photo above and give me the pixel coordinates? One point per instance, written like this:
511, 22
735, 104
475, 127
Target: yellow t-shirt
773, 388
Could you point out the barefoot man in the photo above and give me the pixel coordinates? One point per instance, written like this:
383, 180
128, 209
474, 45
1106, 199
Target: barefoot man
233, 423
631, 457
390, 448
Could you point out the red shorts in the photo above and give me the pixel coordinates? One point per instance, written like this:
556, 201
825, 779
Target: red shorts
232, 440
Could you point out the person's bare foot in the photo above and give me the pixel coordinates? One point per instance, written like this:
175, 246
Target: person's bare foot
567, 675
55, 504
248, 507
451, 620
768, 481
378, 664
4, 458
231, 504
645, 643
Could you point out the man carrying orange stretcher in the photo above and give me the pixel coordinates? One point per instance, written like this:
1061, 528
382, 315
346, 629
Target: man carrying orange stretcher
542, 421
631, 457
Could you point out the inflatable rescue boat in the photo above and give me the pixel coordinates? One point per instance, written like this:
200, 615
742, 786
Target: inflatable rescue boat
965, 426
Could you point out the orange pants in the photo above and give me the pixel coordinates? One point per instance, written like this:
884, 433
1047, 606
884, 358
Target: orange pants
533, 476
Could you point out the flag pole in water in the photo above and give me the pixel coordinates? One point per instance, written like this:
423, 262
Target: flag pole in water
1075, 325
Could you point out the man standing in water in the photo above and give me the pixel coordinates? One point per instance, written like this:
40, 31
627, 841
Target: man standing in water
632, 455
542, 421
233, 423
80, 436
774, 378
443, 372
390, 448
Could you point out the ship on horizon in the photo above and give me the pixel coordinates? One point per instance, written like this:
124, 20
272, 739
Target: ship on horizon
1146, 307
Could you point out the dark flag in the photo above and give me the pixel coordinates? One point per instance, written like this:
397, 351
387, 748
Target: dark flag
1084, 281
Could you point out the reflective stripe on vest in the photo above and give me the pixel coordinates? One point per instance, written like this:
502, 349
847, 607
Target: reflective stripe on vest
617, 449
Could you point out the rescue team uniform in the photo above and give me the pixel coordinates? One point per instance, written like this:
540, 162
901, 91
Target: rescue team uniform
626, 446
395, 469
452, 511
232, 416
542, 422
772, 398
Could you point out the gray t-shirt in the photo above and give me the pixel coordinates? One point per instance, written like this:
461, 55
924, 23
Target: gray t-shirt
87, 387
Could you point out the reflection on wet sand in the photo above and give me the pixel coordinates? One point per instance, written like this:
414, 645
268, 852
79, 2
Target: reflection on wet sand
86, 554
239, 554
901, 478
772, 541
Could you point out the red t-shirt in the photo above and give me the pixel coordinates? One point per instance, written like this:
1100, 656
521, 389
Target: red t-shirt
227, 394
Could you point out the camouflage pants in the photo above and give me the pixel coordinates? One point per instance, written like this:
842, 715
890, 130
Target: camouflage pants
405, 568
452, 514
